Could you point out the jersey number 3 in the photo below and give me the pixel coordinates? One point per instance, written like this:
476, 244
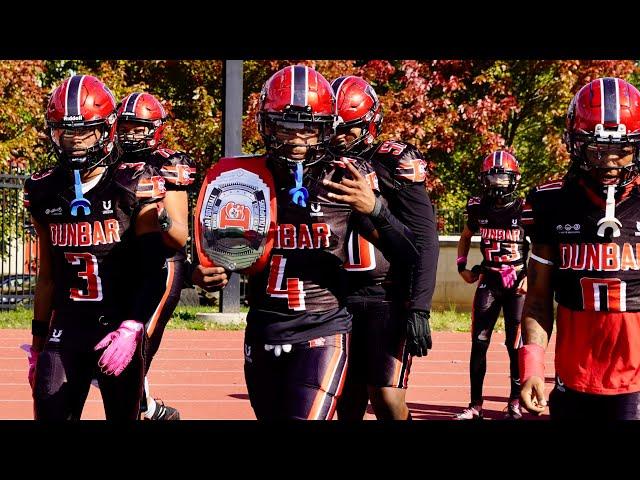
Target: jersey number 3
90, 274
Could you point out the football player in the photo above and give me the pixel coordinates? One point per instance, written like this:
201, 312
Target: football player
140, 135
297, 336
390, 304
585, 232
497, 216
90, 212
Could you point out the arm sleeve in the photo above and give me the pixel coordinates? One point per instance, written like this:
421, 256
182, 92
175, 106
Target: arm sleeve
151, 257
413, 207
534, 219
396, 241
178, 170
471, 214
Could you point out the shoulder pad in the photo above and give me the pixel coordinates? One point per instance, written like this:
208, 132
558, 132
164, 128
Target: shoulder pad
177, 168
473, 201
141, 178
557, 185
405, 161
40, 184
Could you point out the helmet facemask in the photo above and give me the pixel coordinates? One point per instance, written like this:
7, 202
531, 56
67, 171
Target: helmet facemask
369, 126
606, 151
296, 129
137, 135
499, 184
83, 145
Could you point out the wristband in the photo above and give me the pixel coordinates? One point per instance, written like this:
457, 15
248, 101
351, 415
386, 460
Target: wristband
531, 362
462, 263
39, 328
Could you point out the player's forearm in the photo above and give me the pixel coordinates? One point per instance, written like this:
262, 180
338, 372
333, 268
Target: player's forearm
537, 317
464, 244
395, 240
42, 307
412, 206
176, 216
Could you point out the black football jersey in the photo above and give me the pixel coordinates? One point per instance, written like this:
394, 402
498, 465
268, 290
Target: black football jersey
591, 272
401, 173
178, 170
503, 235
304, 277
94, 272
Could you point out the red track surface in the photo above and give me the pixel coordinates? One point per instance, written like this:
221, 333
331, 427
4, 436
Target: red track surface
200, 373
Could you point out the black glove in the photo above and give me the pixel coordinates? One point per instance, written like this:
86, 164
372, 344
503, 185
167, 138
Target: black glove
418, 333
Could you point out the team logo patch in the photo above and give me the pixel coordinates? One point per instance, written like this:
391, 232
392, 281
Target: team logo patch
317, 342
106, 207
569, 228
53, 211
315, 210
235, 218
55, 336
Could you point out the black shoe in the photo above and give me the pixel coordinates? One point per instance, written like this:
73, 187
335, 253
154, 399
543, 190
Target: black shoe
164, 412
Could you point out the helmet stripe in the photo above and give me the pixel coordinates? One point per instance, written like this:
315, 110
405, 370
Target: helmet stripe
611, 105
601, 101
499, 158
130, 105
135, 103
292, 85
300, 88
337, 84
72, 105
617, 100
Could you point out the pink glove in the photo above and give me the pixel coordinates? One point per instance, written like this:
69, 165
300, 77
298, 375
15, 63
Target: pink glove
121, 344
33, 360
509, 276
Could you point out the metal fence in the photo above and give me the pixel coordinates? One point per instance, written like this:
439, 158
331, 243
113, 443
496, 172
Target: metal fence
450, 221
18, 244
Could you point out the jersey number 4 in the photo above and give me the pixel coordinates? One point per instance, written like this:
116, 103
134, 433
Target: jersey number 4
604, 294
294, 293
90, 274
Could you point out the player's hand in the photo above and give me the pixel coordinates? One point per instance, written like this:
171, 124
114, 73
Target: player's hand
508, 275
120, 347
418, 333
210, 278
522, 288
355, 191
469, 276
532, 395
33, 361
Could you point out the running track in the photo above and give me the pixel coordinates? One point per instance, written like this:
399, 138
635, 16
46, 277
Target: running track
200, 373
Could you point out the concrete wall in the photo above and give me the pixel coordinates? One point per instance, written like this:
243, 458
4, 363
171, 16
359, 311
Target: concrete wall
451, 289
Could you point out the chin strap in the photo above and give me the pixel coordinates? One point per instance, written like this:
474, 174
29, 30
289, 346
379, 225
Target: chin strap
79, 201
609, 220
299, 194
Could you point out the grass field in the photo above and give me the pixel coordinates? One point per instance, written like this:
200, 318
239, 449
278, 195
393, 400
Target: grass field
185, 318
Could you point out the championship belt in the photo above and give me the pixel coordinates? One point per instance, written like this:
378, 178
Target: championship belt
235, 218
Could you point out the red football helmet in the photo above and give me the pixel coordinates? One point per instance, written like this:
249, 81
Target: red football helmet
499, 175
81, 106
144, 110
357, 106
604, 115
297, 98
